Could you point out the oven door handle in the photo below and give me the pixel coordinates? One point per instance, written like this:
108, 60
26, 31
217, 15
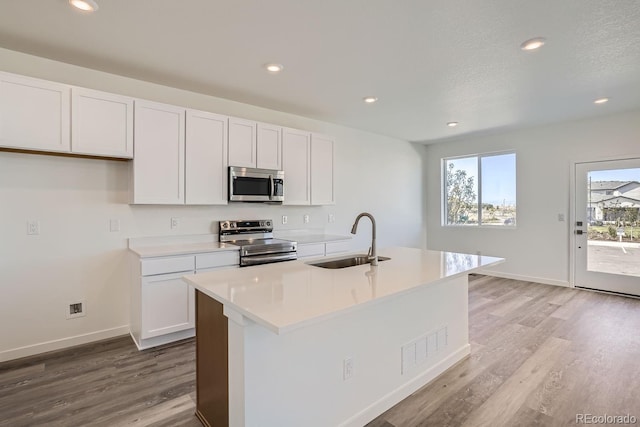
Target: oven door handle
254, 260
272, 187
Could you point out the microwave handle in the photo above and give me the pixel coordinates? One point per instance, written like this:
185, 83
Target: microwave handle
272, 187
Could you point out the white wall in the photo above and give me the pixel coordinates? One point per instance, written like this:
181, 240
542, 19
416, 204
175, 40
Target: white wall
538, 248
76, 257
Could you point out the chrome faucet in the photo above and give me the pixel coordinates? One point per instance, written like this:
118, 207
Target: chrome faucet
372, 255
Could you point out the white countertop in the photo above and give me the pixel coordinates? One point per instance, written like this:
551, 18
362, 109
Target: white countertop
181, 249
288, 295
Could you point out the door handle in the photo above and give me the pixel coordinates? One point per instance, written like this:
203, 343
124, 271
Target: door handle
272, 187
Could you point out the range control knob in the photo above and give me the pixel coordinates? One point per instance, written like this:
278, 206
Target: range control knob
268, 223
224, 225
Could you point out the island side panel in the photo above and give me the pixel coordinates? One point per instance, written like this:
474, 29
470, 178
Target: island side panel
297, 378
212, 361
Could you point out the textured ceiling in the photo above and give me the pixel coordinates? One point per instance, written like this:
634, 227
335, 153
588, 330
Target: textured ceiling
429, 62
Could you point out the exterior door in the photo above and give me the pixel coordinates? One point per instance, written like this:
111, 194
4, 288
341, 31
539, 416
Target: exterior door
607, 227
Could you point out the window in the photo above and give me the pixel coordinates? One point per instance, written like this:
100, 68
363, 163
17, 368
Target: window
480, 190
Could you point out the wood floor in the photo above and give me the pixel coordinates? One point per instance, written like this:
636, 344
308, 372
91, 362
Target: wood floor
540, 355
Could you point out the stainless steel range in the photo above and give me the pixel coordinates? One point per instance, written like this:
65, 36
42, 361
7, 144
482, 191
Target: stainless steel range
257, 245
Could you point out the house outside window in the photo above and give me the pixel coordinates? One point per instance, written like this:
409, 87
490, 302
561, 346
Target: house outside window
479, 190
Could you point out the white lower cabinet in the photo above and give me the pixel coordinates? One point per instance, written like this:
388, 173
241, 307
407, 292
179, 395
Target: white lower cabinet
168, 305
162, 304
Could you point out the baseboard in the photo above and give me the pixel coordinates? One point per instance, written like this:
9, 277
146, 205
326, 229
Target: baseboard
144, 344
31, 350
542, 280
406, 389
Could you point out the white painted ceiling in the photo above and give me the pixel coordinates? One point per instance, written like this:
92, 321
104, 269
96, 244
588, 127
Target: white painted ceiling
428, 61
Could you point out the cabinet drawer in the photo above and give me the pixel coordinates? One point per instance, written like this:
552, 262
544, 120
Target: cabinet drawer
217, 259
312, 249
338, 247
150, 267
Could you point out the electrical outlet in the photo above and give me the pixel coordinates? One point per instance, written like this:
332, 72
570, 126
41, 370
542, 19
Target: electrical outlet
347, 368
175, 223
285, 219
332, 218
114, 225
560, 217
76, 309
33, 228
306, 219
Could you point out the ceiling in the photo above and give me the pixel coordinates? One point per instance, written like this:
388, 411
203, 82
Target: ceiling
428, 61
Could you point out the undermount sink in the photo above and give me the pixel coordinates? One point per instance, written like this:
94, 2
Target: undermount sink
351, 261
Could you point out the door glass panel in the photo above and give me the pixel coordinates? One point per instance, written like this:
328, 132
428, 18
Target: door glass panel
613, 227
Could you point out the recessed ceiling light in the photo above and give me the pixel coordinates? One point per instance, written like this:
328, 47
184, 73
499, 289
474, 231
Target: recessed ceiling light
369, 99
86, 5
533, 44
601, 100
274, 68
452, 124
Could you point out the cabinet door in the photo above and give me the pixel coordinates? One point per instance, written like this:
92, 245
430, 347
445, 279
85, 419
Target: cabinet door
168, 305
242, 143
295, 163
322, 170
269, 146
206, 159
101, 123
34, 114
158, 163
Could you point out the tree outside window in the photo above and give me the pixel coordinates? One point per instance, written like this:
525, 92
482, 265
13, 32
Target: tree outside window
480, 190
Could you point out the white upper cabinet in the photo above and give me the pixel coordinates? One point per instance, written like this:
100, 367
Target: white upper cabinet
269, 147
296, 157
158, 164
34, 114
322, 170
101, 123
206, 159
242, 143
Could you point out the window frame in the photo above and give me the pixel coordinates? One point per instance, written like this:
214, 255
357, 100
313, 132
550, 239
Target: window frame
444, 205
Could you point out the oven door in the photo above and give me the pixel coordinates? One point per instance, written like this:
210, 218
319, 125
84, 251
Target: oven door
254, 185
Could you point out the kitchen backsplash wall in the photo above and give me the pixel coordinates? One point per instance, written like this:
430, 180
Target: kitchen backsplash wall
75, 201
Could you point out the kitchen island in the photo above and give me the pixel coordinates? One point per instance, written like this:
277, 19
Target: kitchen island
292, 344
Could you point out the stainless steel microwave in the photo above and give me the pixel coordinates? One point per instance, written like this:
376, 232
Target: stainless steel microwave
256, 185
